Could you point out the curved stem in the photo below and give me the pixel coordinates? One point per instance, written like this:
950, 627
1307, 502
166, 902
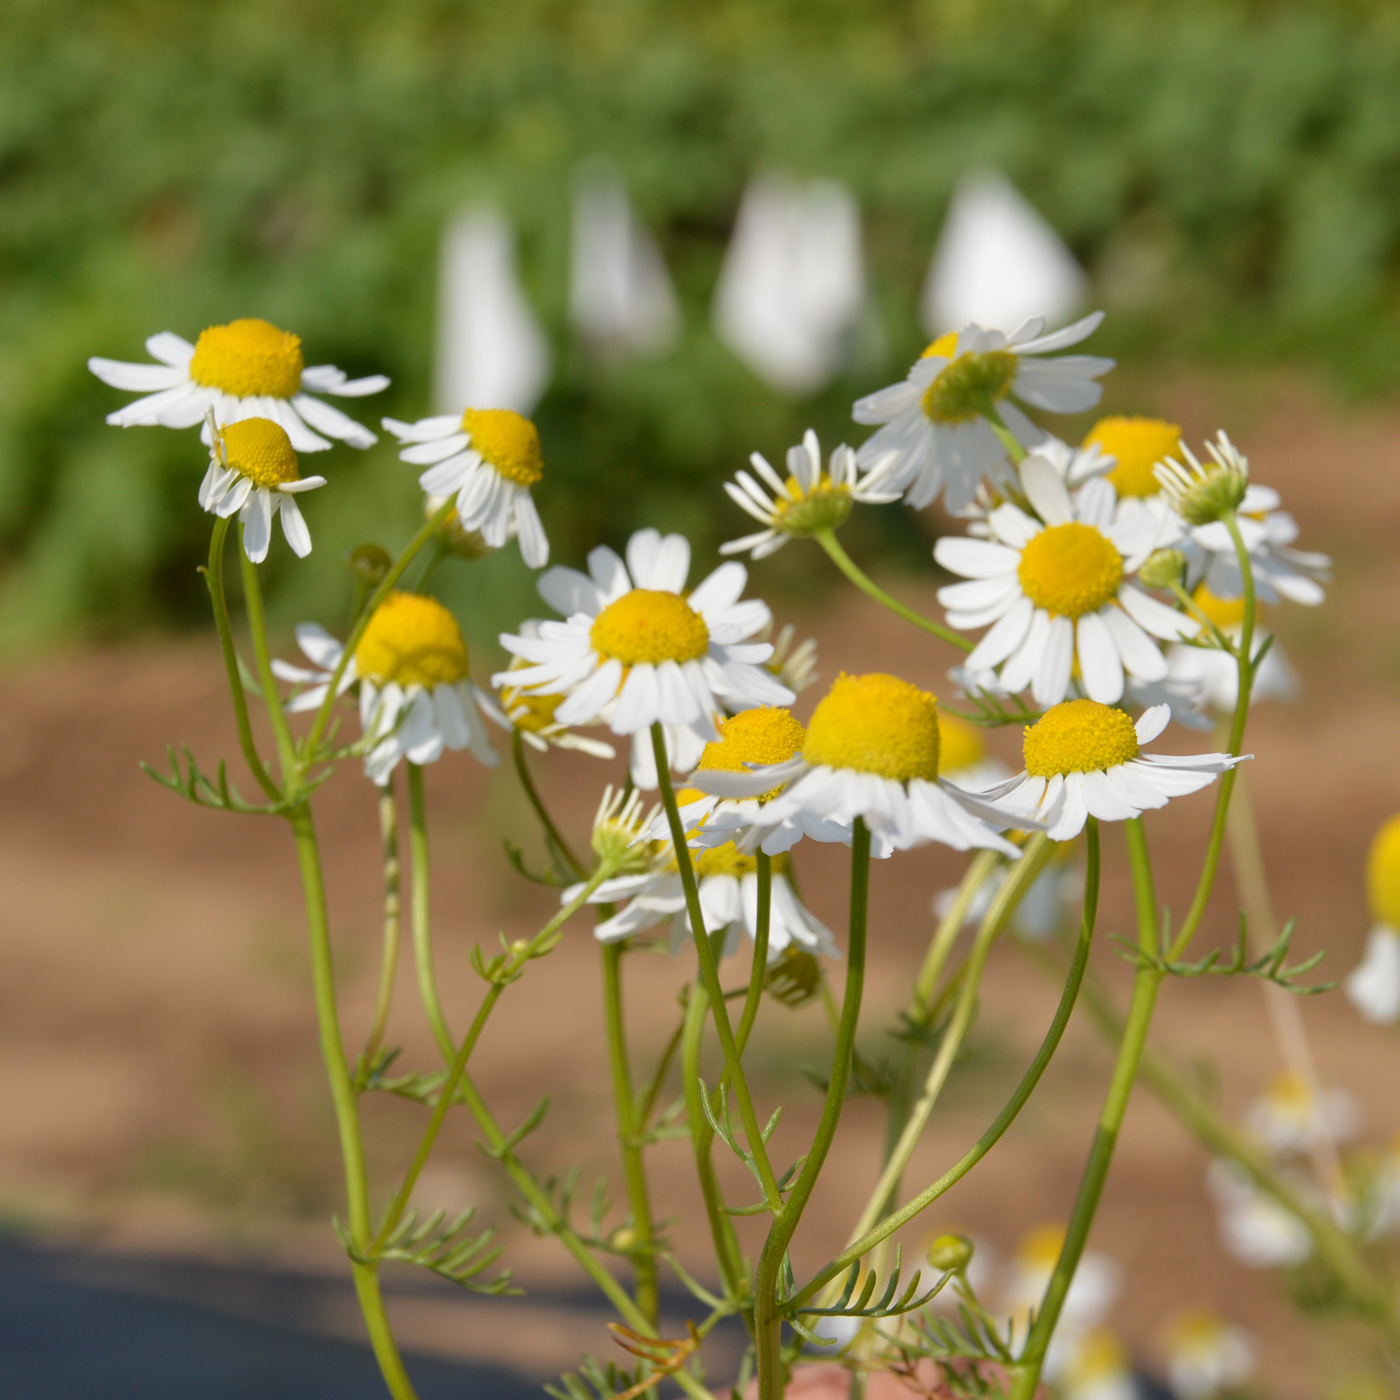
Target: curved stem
767, 1323
629, 1132
522, 769
257, 625
848, 566
892, 1223
389, 958
214, 578
422, 912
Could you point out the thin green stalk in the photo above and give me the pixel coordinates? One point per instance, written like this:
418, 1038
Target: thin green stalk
759, 971
389, 958
1146, 983
522, 769
629, 1133
848, 566
422, 912
709, 971
892, 1223
1009, 440
978, 872
257, 625
767, 1323
214, 578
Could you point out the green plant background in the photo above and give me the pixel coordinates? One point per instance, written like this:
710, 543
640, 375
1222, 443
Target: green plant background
1229, 173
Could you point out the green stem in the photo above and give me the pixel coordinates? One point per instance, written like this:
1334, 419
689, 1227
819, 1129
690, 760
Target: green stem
1148, 979
389, 958
978, 872
892, 1223
1009, 440
257, 625
422, 916
759, 971
629, 1133
767, 1323
709, 971
522, 769
214, 578
848, 566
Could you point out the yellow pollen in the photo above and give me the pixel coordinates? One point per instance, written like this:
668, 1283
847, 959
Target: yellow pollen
1041, 1247
946, 345
765, 735
1224, 612
507, 441
648, 626
969, 384
261, 450
959, 744
248, 357
1383, 874
876, 724
1070, 569
532, 713
1138, 444
1078, 736
412, 640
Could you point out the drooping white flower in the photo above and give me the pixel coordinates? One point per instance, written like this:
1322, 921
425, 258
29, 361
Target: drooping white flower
246, 369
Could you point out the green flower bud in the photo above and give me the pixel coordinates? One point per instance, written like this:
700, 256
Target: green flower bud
1203, 492
369, 563
1164, 568
950, 1253
794, 978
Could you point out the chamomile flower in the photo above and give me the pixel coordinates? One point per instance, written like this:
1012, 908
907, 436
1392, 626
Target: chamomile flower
963, 756
1374, 985
489, 458
933, 421
1213, 674
1098, 1368
246, 369
1254, 1228
871, 751
1292, 1116
1056, 593
795, 666
415, 698
1085, 760
1136, 445
637, 646
809, 500
532, 715
1206, 1355
253, 473
1044, 909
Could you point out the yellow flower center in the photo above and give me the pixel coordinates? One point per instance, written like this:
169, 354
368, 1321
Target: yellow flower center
1099, 1357
507, 441
959, 744
1138, 444
1041, 1247
968, 385
728, 860
1289, 1093
248, 357
532, 713
824, 507
412, 640
1198, 1332
1224, 612
876, 724
763, 735
1383, 874
648, 626
1070, 569
946, 345
1078, 736
260, 449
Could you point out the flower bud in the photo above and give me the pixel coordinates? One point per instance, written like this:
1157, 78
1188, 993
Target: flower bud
950, 1253
369, 563
794, 978
1164, 568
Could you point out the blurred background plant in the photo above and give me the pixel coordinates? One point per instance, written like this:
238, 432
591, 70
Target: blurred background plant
1228, 174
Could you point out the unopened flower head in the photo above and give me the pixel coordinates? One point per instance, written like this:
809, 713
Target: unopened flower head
253, 473
1136, 445
1164, 568
809, 500
1204, 492
1374, 985
488, 458
1206, 1355
933, 421
248, 368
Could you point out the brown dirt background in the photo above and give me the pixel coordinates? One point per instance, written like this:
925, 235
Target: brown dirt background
160, 1087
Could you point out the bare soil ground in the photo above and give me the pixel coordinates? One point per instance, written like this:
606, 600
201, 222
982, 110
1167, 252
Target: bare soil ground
160, 1086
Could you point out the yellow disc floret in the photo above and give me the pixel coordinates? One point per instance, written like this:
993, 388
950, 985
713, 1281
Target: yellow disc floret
1383, 874
960, 744
825, 507
766, 734
261, 450
876, 724
507, 441
1138, 444
648, 626
1079, 736
946, 345
248, 357
1070, 569
1224, 612
532, 713
729, 860
412, 640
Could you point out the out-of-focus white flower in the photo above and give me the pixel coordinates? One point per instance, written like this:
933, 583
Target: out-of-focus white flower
1254, 1228
1205, 1355
1044, 908
1374, 985
1214, 673
1290, 1117
1098, 1368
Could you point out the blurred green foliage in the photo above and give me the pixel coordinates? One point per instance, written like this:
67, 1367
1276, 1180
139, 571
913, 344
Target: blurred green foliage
1230, 173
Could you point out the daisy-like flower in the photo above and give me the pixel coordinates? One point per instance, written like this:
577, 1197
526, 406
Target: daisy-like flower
1292, 1116
489, 458
1374, 985
253, 473
1099, 1368
933, 421
871, 751
1254, 1228
809, 500
1135, 445
1085, 760
963, 757
1056, 593
638, 647
415, 698
1213, 674
1206, 1355
246, 369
